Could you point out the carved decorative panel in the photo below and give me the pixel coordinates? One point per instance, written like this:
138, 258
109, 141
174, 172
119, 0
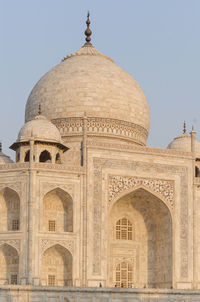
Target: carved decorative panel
46, 243
118, 184
102, 127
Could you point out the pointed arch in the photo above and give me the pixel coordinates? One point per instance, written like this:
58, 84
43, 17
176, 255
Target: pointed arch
145, 188
27, 156
9, 263
151, 247
10, 210
57, 211
45, 157
58, 158
57, 266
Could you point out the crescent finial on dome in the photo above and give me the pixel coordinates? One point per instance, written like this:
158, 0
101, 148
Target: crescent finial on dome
88, 31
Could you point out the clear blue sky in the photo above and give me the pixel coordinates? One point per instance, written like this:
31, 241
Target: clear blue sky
156, 41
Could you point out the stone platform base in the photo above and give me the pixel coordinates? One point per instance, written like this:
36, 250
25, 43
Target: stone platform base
17, 293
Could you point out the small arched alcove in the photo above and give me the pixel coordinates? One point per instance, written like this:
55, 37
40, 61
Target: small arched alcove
57, 211
58, 158
10, 210
197, 171
9, 263
140, 228
45, 157
27, 156
57, 266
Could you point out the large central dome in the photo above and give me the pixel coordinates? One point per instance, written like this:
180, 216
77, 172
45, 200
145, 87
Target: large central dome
87, 83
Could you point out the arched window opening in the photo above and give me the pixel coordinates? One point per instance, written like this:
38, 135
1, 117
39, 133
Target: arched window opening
9, 262
10, 210
58, 158
57, 267
45, 157
124, 229
27, 156
124, 274
197, 172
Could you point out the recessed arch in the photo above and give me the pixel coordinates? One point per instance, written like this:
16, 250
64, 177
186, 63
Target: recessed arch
27, 156
58, 158
57, 266
45, 157
57, 211
151, 247
10, 210
197, 171
126, 192
9, 263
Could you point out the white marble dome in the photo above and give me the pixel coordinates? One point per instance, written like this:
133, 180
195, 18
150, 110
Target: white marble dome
87, 82
39, 128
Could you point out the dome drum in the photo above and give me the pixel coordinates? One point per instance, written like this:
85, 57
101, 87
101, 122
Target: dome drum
102, 127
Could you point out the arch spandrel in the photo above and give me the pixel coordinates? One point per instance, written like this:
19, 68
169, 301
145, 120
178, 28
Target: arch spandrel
128, 191
46, 244
67, 189
15, 187
121, 184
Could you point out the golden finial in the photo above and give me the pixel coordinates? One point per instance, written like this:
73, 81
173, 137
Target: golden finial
88, 31
39, 109
184, 127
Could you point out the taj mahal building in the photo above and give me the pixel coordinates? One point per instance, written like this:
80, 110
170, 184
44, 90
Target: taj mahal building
88, 211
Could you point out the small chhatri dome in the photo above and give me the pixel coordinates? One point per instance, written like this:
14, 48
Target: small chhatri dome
39, 128
183, 142
4, 159
88, 81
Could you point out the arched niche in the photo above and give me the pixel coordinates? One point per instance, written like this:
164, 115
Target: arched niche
45, 157
9, 263
150, 250
58, 158
10, 210
57, 211
197, 171
27, 156
57, 266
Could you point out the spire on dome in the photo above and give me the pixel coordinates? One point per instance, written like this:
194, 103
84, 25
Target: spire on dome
88, 31
184, 127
